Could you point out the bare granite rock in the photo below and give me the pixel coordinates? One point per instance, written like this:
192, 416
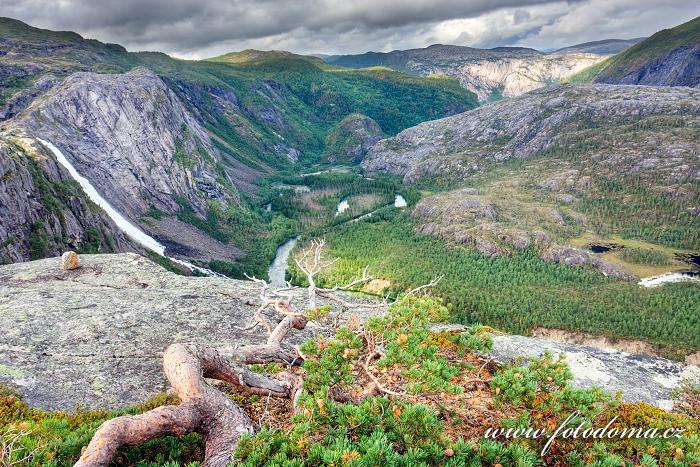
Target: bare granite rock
456, 147
489, 73
130, 135
43, 212
641, 378
94, 336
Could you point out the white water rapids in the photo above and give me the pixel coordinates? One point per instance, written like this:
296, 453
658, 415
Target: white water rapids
668, 277
124, 225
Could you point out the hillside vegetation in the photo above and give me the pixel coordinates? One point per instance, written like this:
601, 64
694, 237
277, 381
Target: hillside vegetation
249, 116
668, 58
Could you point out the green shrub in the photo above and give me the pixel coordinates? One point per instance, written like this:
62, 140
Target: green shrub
645, 256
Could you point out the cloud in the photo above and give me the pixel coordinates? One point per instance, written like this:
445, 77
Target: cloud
201, 28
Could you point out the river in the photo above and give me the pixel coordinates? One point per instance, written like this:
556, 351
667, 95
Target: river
669, 277
278, 268
124, 225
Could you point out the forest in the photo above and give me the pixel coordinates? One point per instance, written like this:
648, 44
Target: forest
515, 293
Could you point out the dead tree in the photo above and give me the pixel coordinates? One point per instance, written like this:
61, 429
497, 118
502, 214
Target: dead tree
204, 409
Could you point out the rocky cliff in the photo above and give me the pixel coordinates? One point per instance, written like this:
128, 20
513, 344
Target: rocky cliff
670, 57
131, 136
43, 211
544, 167
490, 73
96, 336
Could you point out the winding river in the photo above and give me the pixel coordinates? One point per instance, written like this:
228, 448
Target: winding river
124, 225
278, 268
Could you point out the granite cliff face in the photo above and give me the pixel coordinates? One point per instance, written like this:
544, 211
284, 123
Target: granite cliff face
470, 142
131, 136
512, 76
96, 336
137, 144
43, 211
489, 73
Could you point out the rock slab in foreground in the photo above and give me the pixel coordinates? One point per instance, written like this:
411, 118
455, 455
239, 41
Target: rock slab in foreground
642, 378
94, 336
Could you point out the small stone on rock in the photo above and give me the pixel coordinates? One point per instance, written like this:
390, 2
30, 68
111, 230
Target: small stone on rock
70, 260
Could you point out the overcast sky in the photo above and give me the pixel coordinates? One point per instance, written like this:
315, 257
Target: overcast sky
204, 28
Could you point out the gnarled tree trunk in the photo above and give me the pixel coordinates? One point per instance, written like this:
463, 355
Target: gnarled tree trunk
204, 409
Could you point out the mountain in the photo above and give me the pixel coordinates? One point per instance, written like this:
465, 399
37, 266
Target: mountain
178, 147
350, 140
490, 73
540, 169
603, 47
670, 57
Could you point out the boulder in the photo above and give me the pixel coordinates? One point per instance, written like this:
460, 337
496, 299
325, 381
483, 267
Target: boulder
70, 260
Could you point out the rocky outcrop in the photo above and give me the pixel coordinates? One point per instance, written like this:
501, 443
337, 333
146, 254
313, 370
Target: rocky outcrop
495, 225
43, 212
131, 136
462, 145
95, 335
510, 77
577, 257
641, 378
350, 140
677, 67
489, 73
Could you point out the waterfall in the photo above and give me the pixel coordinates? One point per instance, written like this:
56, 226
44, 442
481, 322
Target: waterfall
124, 225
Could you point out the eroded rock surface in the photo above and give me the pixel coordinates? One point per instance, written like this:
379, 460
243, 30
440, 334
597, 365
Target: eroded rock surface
641, 378
130, 135
95, 336
489, 73
459, 146
43, 212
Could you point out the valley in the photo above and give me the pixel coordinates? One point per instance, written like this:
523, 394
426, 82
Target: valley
228, 166
263, 257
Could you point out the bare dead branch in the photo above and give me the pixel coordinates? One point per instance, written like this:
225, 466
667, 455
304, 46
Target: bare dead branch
429, 285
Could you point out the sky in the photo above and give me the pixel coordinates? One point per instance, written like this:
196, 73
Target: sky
197, 29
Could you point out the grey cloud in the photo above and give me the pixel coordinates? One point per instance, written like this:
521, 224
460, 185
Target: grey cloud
200, 28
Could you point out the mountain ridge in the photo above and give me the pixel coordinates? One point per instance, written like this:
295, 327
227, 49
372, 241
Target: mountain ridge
670, 57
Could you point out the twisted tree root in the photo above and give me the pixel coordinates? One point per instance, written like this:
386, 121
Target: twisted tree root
203, 409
